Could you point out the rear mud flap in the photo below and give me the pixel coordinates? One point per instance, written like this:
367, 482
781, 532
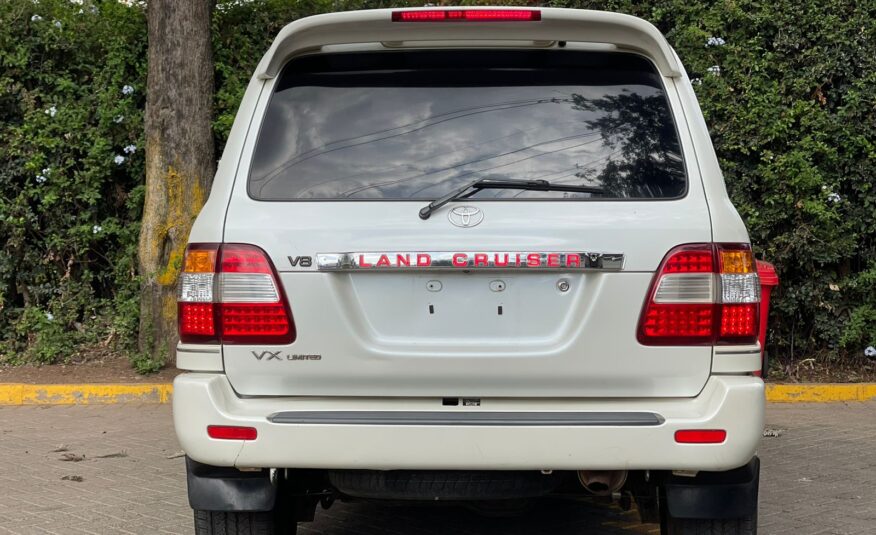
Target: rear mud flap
712, 495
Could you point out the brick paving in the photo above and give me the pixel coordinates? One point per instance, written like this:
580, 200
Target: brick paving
819, 476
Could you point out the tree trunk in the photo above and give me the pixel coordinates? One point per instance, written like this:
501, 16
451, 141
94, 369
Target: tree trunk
179, 158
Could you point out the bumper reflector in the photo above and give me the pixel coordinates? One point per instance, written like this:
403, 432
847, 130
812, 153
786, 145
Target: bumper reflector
700, 436
232, 432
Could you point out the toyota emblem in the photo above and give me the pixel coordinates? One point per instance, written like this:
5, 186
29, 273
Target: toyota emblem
465, 216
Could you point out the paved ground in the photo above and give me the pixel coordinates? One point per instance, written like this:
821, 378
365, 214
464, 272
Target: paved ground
116, 469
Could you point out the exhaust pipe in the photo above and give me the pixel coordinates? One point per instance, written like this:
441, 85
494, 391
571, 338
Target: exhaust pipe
602, 482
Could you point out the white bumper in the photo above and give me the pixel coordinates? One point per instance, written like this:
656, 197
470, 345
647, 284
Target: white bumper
735, 404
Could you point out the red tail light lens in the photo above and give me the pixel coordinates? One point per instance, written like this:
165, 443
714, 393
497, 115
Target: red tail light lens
702, 294
458, 15
679, 323
231, 294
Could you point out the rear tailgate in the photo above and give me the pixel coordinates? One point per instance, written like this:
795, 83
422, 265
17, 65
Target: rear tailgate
353, 145
375, 335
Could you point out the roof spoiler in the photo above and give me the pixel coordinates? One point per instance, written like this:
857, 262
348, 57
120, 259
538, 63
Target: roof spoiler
556, 24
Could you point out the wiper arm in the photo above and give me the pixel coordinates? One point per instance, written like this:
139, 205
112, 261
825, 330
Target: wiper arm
486, 183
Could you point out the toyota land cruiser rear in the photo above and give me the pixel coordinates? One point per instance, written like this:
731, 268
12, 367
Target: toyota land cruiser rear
469, 254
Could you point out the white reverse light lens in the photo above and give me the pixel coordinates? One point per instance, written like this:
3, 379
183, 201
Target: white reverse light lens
247, 288
686, 288
196, 287
740, 288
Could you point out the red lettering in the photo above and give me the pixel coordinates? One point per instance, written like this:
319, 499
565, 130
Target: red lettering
424, 260
383, 261
500, 263
402, 260
362, 262
533, 260
517, 261
573, 260
460, 260
553, 260
481, 260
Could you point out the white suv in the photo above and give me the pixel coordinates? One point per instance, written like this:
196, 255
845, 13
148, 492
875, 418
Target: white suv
469, 254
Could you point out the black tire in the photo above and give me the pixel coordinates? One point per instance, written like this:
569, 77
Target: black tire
222, 523
725, 526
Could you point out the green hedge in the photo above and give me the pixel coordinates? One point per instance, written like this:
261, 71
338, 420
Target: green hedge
788, 90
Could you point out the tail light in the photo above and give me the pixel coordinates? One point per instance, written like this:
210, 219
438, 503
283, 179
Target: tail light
467, 15
703, 294
230, 294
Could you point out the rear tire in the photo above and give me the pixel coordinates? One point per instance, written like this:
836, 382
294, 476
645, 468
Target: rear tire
723, 526
237, 523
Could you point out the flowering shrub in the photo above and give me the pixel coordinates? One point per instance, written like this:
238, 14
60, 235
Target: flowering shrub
788, 90
71, 195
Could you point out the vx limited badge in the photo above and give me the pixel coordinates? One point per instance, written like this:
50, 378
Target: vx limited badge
278, 355
465, 216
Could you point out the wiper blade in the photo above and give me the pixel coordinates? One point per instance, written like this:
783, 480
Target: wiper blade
486, 183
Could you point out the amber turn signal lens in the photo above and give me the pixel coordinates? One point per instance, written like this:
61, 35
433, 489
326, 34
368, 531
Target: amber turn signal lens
737, 261
200, 261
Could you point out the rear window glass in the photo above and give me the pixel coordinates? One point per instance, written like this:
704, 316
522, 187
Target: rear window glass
406, 125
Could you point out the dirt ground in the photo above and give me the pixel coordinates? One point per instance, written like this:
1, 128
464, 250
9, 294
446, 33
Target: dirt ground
117, 369
111, 369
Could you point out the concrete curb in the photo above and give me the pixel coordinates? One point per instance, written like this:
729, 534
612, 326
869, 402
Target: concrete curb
84, 394
102, 394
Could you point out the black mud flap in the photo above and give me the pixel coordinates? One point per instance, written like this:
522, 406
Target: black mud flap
219, 488
714, 495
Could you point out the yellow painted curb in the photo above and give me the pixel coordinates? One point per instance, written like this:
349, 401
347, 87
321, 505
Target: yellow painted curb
96, 394
819, 393
84, 394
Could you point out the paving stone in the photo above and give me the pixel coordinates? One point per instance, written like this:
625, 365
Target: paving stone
818, 477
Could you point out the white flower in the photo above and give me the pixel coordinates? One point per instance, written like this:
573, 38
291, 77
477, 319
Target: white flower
96, 229
119, 159
714, 69
870, 352
57, 24
127, 90
130, 149
77, 2
833, 197
47, 170
715, 41
50, 316
41, 179
52, 111
118, 119
36, 18
697, 81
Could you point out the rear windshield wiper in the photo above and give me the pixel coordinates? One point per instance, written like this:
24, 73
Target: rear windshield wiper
486, 183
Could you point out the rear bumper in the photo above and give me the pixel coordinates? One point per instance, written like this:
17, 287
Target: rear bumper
575, 434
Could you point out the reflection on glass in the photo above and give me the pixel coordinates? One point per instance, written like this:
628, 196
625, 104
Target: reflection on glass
415, 125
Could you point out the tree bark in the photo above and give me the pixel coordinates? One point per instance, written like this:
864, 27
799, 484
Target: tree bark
180, 160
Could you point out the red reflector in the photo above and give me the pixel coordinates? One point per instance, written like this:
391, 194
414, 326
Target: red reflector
232, 432
450, 15
254, 323
739, 320
196, 319
700, 436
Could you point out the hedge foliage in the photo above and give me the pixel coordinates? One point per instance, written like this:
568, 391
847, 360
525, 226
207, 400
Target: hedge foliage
788, 89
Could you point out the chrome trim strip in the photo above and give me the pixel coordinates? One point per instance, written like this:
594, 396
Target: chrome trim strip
190, 349
462, 418
719, 351
469, 260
